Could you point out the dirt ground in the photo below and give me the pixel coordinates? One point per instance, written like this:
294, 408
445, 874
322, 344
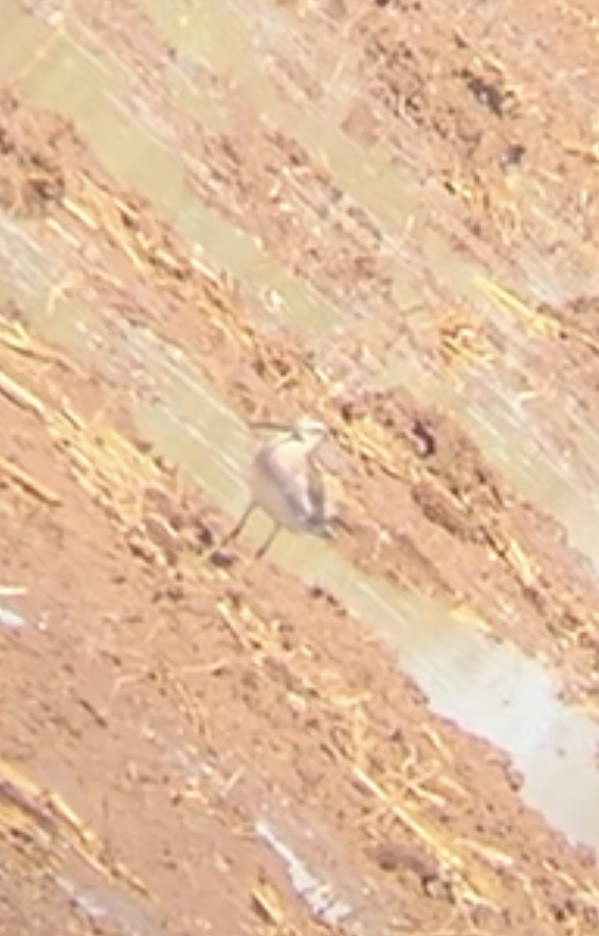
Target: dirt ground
162, 715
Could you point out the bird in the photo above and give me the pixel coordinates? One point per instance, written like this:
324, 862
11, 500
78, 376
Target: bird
286, 484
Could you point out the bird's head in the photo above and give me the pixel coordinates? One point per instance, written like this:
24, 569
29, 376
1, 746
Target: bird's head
311, 432
306, 430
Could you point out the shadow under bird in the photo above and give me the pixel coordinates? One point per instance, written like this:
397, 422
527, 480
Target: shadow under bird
286, 484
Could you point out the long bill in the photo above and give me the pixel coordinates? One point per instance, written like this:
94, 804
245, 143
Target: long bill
280, 427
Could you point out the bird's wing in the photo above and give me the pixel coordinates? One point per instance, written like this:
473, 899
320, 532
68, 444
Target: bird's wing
304, 490
316, 495
299, 482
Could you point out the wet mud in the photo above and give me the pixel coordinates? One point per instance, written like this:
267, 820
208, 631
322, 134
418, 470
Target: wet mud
382, 215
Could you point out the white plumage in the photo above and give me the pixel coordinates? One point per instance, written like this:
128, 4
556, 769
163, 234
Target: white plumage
285, 483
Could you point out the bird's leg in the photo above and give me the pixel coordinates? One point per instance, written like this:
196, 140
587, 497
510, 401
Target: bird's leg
268, 541
212, 552
232, 534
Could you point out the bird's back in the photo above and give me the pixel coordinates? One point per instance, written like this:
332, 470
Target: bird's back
287, 485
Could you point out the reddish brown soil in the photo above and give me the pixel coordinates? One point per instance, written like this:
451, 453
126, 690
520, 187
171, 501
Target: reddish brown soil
155, 708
